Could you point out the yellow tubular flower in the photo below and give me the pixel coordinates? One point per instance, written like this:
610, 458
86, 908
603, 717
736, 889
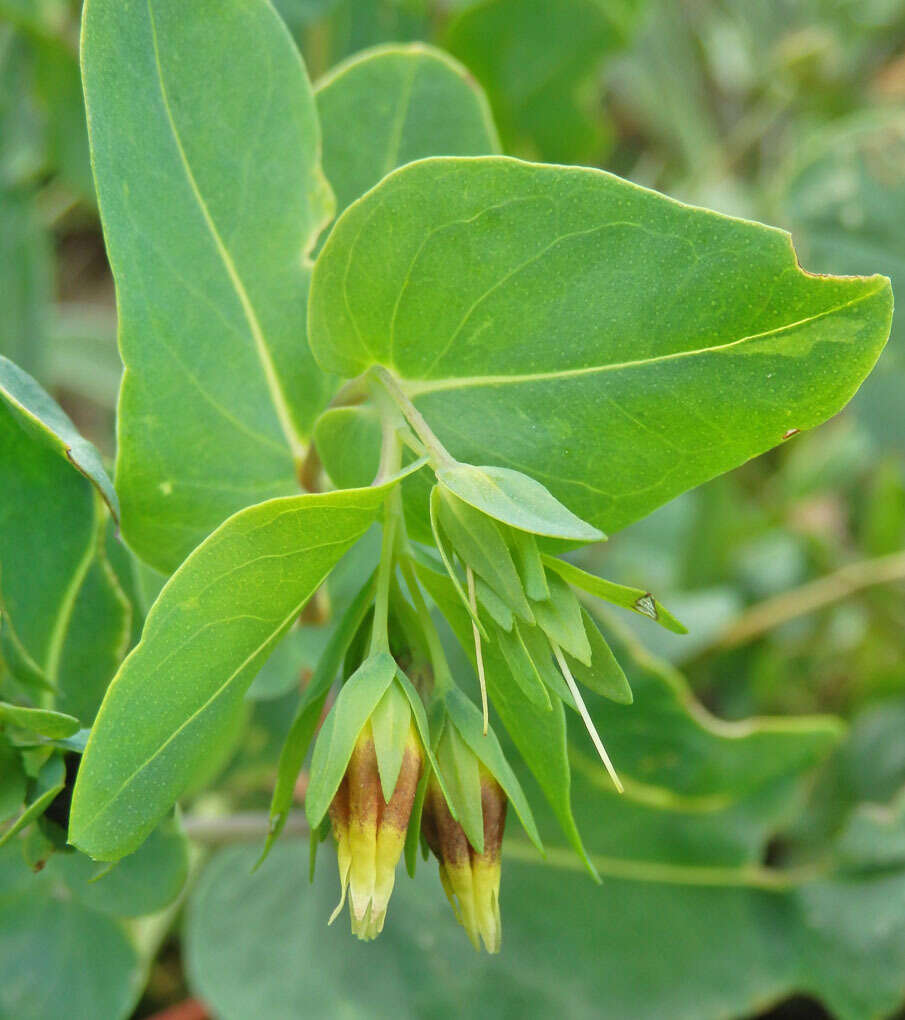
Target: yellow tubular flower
370, 832
471, 880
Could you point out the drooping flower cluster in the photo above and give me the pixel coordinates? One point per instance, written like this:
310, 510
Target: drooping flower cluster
404, 757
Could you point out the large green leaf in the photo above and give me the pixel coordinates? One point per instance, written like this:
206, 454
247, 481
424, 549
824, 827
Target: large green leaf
209, 209
616, 345
205, 638
395, 104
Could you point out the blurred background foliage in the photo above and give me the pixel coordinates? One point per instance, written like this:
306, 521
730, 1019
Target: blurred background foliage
789, 571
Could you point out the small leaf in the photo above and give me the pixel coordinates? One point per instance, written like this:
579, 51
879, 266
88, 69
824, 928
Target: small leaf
522, 667
487, 748
55, 725
529, 564
435, 502
421, 724
459, 767
538, 647
308, 714
357, 699
604, 675
478, 541
390, 722
496, 608
516, 499
51, 780
617, 594
560, 619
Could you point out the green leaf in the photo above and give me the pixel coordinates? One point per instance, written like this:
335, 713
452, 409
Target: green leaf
539, 61
445, 556
208, 212
559, 617
486, 747
421, 724
39, 720
389, 106
522, 667
496, 608
308, 714
539, 651
517, 500
104, 622
612, 319
636, 599
479, 542
50, 781
390, 722
604, 675
348, 442
357, 699
41, 417
458, 765
529, 564
214, 623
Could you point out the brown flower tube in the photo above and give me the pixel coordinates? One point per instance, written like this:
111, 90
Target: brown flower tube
471, 880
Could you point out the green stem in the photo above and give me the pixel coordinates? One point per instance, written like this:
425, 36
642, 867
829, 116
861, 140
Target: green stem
390, 460
439, 454
443, 680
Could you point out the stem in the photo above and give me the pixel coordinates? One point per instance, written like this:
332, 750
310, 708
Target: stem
442, 673
479, 656
414, 417
586, 716
390, 459
812, 596
242, 826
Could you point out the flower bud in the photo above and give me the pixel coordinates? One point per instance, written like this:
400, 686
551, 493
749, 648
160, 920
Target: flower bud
471, 880
370, 832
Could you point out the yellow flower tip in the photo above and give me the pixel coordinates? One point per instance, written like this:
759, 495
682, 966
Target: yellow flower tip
370, 833
470, 880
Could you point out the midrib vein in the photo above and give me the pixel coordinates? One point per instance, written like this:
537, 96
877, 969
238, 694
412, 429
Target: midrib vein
278, 398
419, 387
